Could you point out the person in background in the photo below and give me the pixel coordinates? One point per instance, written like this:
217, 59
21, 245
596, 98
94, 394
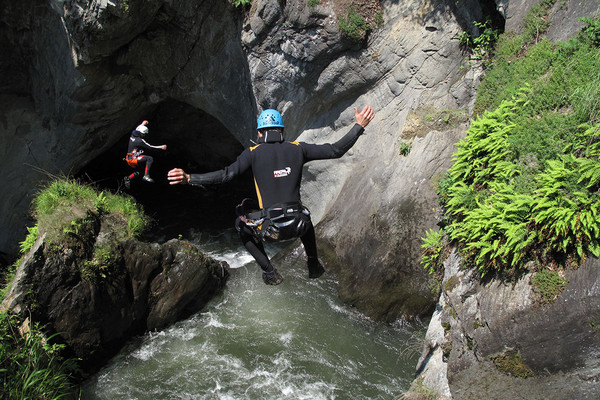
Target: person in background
277, 168
136, 158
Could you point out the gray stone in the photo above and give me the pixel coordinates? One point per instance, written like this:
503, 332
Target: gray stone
91, 71
145, 287
558, 342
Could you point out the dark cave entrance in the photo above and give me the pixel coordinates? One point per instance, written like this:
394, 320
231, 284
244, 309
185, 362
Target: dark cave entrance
196, 142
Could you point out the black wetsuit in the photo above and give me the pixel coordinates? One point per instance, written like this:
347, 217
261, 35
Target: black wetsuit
277, 168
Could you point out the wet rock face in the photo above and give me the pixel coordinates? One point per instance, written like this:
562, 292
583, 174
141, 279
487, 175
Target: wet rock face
565, 335
97, 304
84, 74
373, 205
379, 242
475, 324
95, 69
551, 349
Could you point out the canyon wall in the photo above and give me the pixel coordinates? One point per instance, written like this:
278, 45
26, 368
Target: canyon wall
88, 72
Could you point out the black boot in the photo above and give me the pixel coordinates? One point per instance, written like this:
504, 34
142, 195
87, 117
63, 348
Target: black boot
272, 277
315, 268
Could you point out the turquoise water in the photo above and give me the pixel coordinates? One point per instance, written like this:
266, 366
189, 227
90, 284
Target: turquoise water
292, 341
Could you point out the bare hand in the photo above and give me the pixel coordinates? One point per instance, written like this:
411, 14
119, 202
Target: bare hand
177, 176
365, 116
164, 147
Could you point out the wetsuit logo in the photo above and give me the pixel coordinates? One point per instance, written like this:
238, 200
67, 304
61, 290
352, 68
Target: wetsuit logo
280, 173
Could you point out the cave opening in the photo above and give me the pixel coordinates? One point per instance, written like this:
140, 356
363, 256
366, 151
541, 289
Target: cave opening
197, 142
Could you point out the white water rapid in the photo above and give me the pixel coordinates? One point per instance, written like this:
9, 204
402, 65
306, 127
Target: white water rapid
292, 341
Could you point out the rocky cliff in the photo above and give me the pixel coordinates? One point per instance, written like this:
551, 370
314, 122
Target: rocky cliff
96, 287
502, 339
82, 74
498, 338
90, 71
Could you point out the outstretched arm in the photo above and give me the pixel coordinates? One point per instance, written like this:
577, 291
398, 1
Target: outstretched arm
339, 148
362, 118
147, 146
239, 166
177, 176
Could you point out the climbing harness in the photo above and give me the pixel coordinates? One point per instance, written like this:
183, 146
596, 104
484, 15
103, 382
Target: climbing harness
281, 221
132, 158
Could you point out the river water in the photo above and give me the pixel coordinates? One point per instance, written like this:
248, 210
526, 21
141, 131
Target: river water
253, 341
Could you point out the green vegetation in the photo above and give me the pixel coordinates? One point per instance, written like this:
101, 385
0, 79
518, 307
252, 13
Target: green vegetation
433, 246
71, 204
432, 257
451, 283
9, 274
447, 326
482, 45
452, 312
6, 280
353, 25
27, 244
241, 3
125, 5
591, 32
99, 266
511, 363
404, 149
67, 212
379, 18
524, 188
419, 391
548, 285
30, 366
313, 3
357, 18
536, 22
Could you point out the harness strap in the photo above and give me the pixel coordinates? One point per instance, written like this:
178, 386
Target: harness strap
283, 209
276, 211
280, 221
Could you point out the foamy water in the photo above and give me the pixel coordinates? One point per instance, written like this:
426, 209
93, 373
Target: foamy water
292, 341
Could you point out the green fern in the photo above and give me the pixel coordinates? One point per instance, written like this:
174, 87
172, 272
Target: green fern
525, 181
432, 247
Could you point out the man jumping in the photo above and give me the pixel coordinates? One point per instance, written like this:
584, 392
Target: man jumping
135, 154
277, 168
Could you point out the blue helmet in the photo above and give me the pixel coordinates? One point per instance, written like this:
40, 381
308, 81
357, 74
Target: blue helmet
270, 119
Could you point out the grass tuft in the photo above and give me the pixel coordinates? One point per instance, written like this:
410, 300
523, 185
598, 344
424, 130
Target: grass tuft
64, 202
31, 366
